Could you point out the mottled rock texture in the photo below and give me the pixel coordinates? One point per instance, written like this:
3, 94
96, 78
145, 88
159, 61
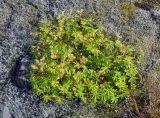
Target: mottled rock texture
17, 20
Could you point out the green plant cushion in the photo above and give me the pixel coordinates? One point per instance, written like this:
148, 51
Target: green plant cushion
74, 59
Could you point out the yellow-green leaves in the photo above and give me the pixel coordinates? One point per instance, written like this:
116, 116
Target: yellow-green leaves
75, 59
118, 43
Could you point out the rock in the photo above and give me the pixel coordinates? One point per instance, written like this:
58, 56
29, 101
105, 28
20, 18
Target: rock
4, 112
143, 23
114, 17
155, 14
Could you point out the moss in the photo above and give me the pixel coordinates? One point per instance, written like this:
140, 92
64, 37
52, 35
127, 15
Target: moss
126, 9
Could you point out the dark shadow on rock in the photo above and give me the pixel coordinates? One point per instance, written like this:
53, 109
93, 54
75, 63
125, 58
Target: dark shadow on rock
20, 72
144, 6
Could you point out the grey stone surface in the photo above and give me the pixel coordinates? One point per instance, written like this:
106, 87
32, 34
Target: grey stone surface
18, 18
143, 22
4, 112
155, 13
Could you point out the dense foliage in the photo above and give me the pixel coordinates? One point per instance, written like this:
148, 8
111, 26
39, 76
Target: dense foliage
74, 59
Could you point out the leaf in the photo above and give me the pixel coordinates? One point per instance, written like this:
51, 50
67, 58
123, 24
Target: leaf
118, 43
46, 98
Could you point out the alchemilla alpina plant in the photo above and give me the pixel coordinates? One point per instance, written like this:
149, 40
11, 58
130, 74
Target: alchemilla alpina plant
74, 59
